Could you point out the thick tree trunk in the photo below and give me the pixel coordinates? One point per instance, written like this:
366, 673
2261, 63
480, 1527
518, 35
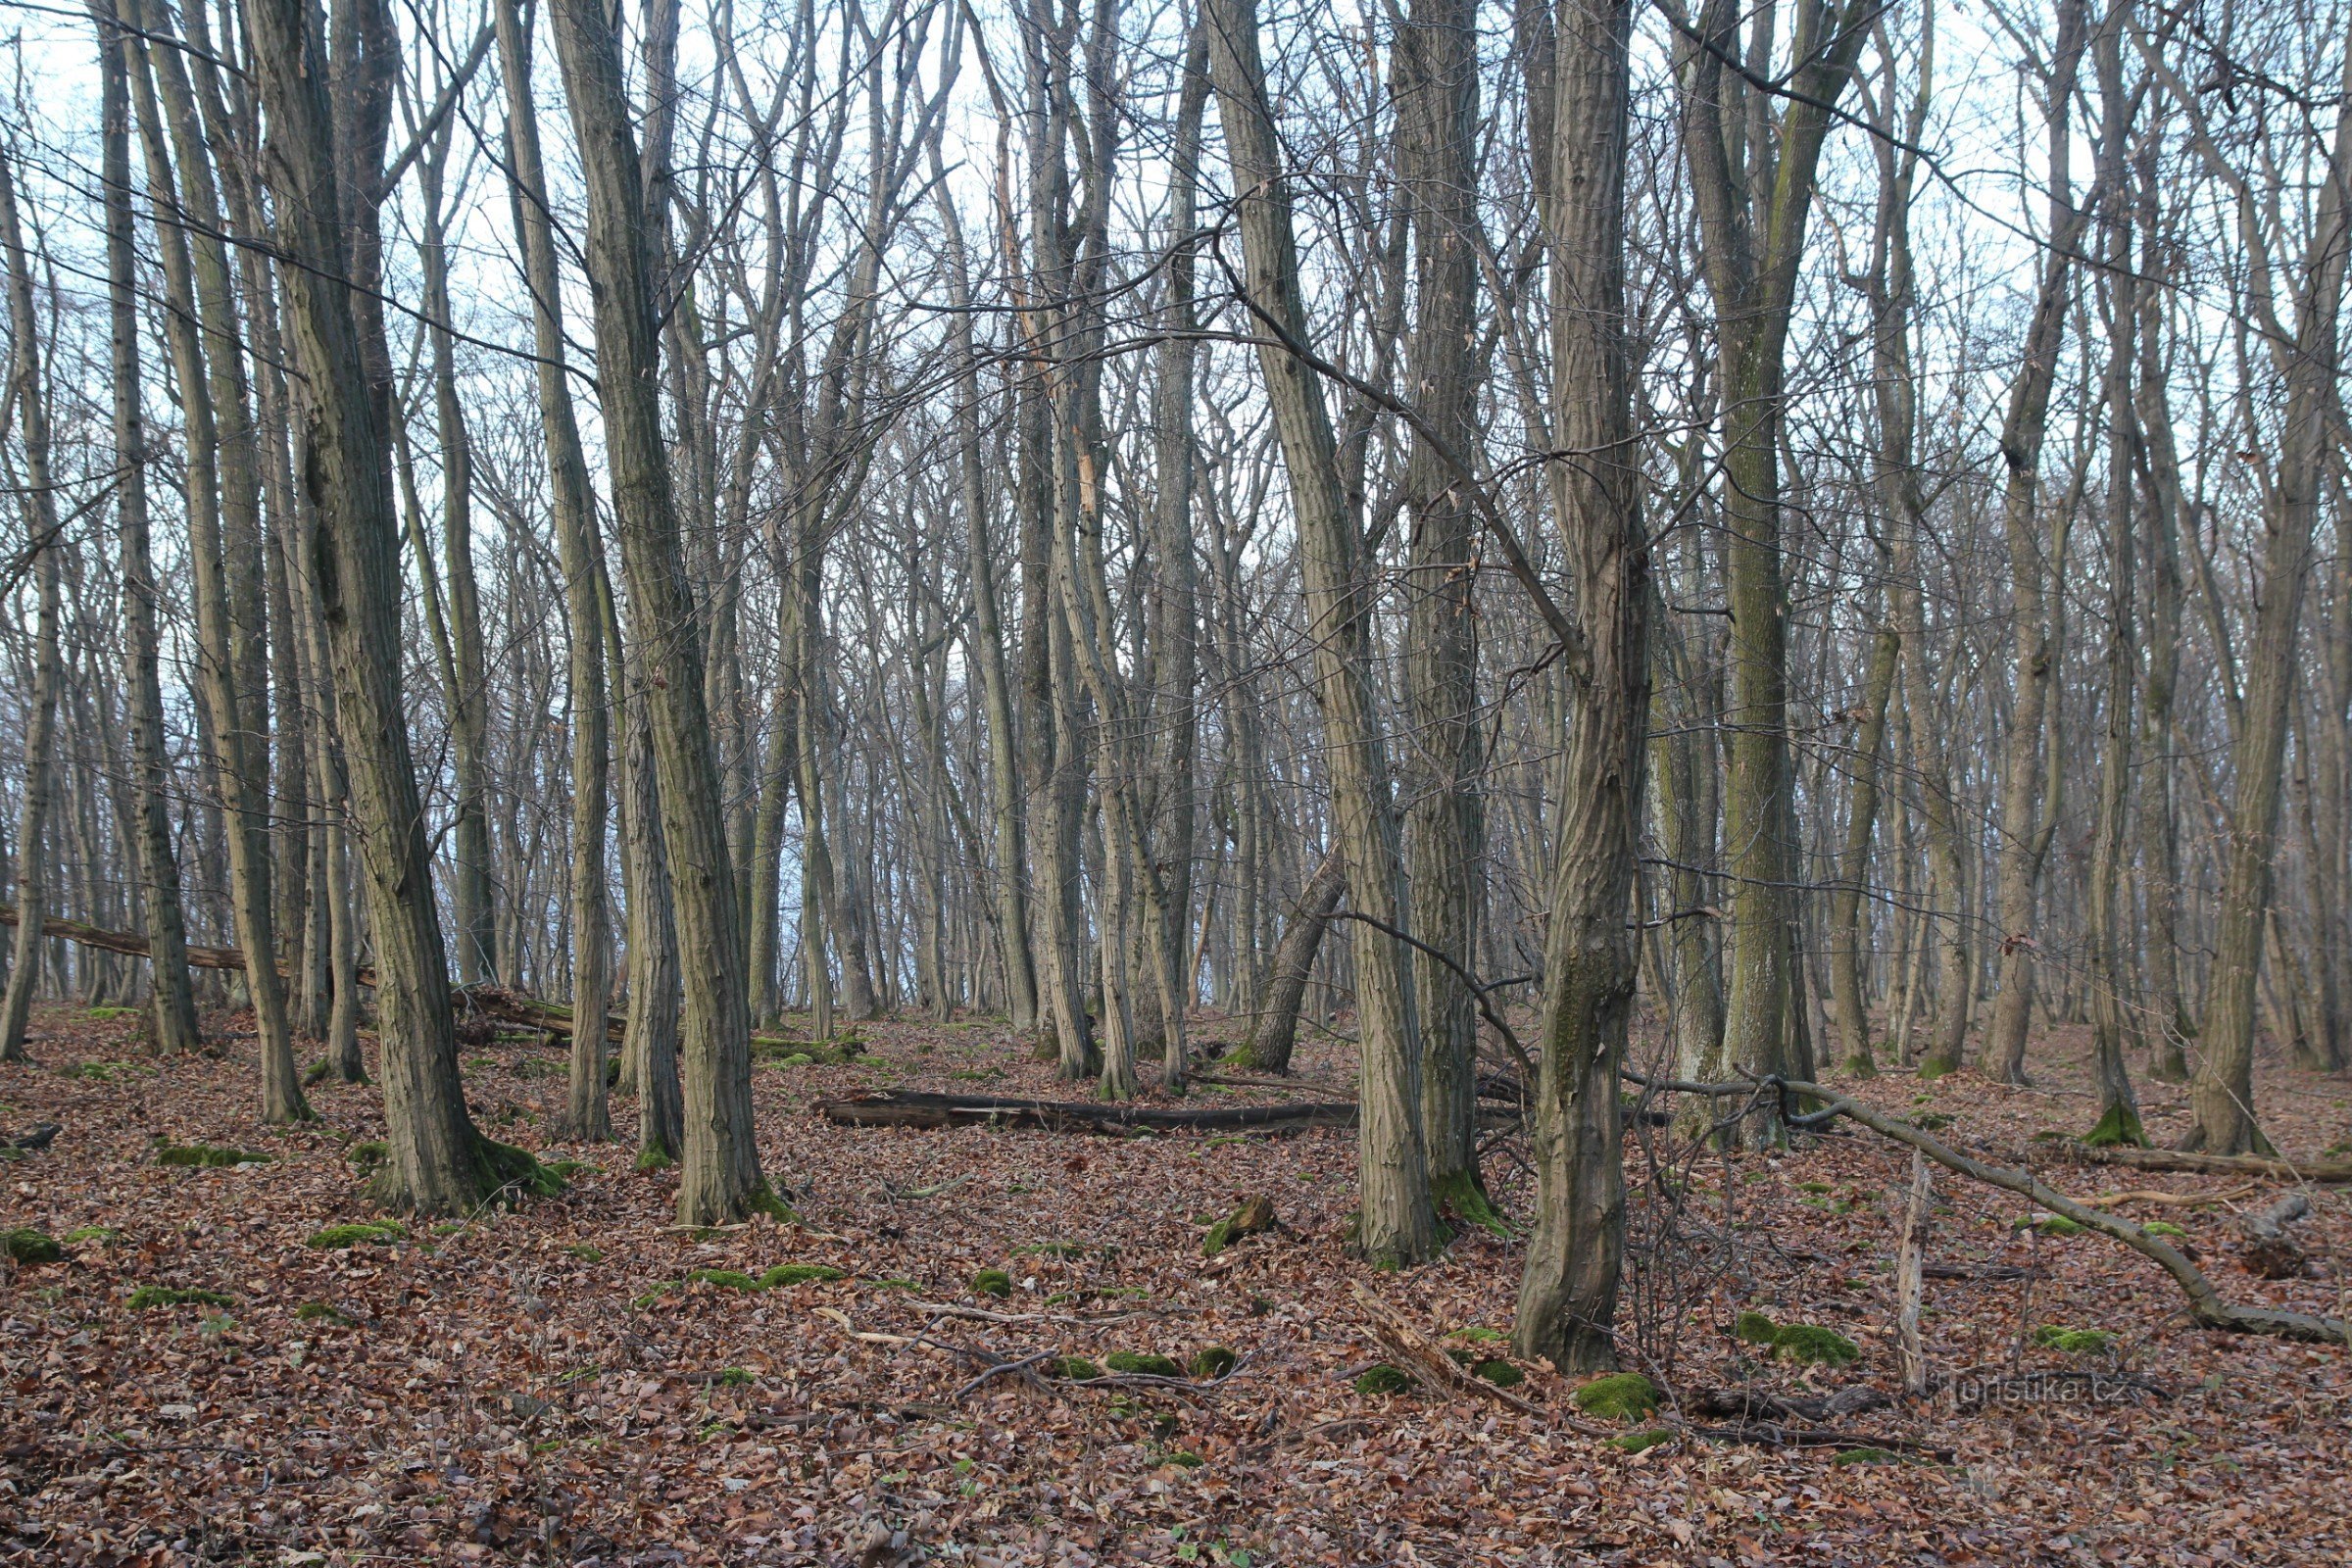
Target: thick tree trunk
1396, 1222
720, 1179
438, 1162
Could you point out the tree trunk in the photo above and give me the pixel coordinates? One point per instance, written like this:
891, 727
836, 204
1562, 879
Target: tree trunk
438, 1162
574, 504
720, 1181
225, 535
1396, 1223
1435, 69
2222, 1094
1568, 1292
31, 393
171, 999
1274, 1028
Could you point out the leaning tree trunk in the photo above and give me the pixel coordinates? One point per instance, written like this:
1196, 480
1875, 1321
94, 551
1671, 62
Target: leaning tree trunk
1568, 1291
1853, 858
31, 393
438, 1163
1396, 1222
720, 1179
171, 998
1274, 1031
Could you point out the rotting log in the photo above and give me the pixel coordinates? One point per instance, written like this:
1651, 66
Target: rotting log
2171, 1159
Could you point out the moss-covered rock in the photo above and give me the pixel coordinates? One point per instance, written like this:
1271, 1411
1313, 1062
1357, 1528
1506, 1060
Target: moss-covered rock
1144, 1362
148, 1296
25, 1245
1618, 1397
1381, 1379
1214, 1361
1076, 1368
208, 1156
992, 1282
1640, 1441
1502, 1374
372, 1232
1755, 1328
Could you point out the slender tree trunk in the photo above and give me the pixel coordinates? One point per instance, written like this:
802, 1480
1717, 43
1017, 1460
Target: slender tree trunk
171, 999
580, 550
2222, 1093
1397, 1224
224, 536
28, 388
1568, 1291
1274, 1030
720, 1179
1435, 68
1846, 923
2113, 1005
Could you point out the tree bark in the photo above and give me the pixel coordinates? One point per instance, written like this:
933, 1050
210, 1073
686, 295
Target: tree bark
45, 537
1568, 1291
171, 998
438, 1162
720, 1179
1396, 1223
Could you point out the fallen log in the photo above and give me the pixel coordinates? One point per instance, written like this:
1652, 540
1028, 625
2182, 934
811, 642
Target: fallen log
2176, 1199
2173, 1159
133, 944
2205, 1303
912, 1109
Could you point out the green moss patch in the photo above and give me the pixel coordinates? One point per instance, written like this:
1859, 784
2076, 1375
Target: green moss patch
1502, 1374
321, 1313
26, 1245
1076, 1368
799, 1274
1797, 1342
726, 1279
992, 1282
101, 1233
372, 1232
2048, 1225
1640, 1441
2074, 1341
208, 1156
2163, 1227
368, 1155
149, 1296
1144, 1362
1214, 1361
734, 1376
1381, 1379
585, 1252
1618, 1397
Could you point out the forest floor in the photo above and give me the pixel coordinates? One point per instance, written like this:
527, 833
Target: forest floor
521, 1387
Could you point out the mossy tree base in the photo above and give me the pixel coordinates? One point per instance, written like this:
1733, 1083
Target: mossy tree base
1462, 1197
498, 1173
2118, 1128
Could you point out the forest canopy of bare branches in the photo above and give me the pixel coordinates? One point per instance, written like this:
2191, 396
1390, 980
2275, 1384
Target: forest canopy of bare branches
1543, 573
